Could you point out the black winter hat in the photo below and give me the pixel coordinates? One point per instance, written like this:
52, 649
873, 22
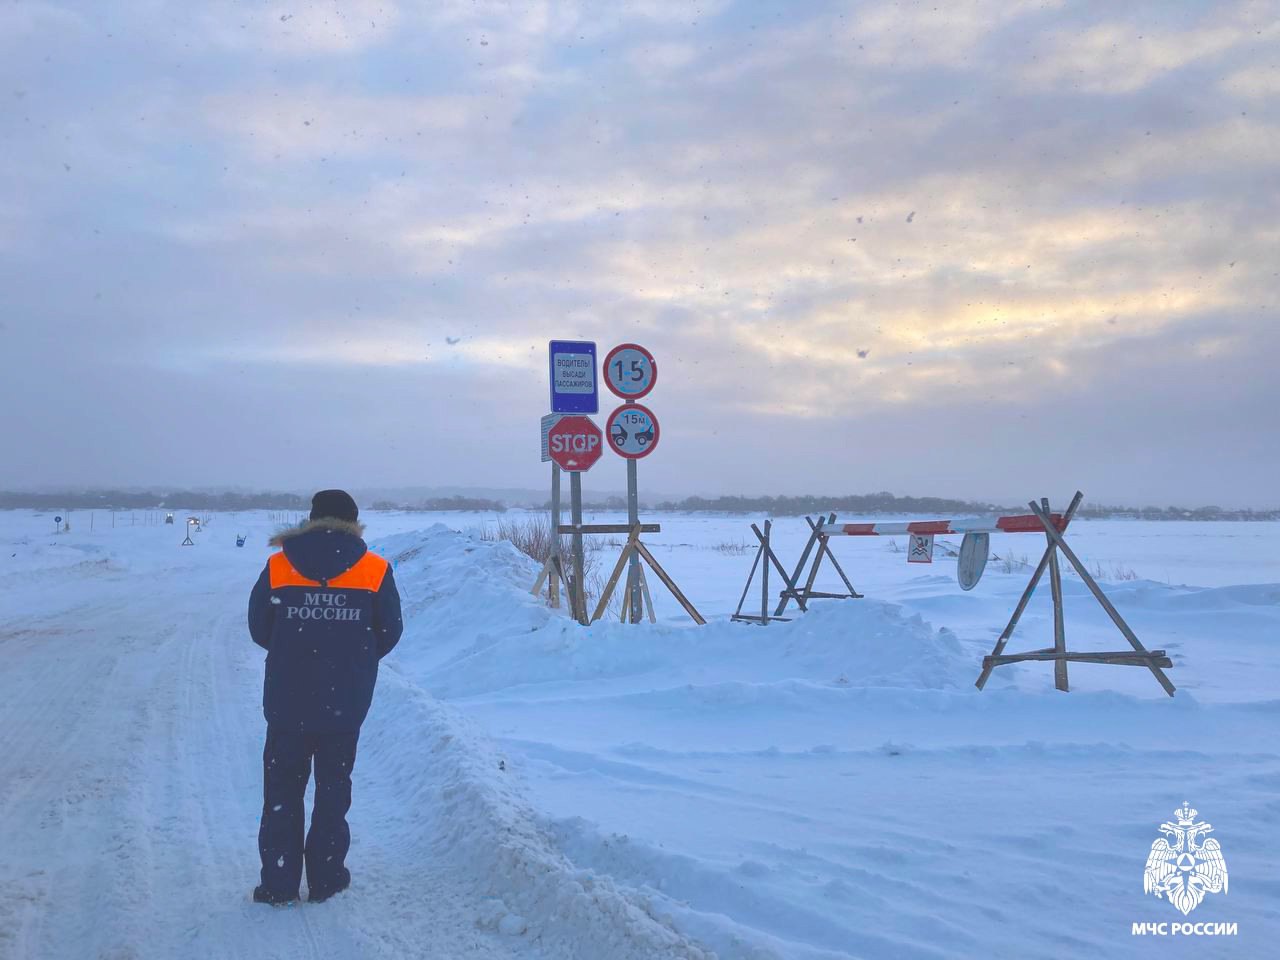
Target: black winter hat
335, 504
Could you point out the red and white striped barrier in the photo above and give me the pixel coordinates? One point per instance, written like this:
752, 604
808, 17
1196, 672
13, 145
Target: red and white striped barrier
1023, 523
971, 560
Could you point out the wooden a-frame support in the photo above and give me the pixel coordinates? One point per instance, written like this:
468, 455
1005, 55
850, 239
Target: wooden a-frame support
801, 595
823, 542
1139, 656
553, 575
635, 545
646, 600
765, 551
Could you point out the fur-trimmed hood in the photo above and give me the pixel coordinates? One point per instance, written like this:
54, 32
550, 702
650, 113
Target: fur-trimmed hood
322, 549
324, 523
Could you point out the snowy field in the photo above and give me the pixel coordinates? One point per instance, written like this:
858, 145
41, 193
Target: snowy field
832, 787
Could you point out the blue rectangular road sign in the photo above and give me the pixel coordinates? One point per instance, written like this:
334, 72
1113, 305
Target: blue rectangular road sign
573, 377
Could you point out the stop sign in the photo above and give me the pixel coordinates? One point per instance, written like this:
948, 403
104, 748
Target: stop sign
575, 443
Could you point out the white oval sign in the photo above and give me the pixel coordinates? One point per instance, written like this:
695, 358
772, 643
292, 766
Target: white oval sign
973, 559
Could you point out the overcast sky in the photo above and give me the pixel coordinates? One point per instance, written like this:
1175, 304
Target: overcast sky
995, 249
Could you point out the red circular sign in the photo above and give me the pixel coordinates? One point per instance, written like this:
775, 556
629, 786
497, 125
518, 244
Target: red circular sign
630, 371
575, 443
633, 431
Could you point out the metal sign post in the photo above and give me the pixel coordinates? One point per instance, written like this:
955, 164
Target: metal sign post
579, 592
555, 533
630, 372
634, 600
633, 433
575, 444
554, 568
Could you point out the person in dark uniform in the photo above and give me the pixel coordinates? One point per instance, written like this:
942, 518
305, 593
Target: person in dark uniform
326, 610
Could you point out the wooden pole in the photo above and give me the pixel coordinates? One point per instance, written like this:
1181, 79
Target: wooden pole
764, 577
545, 572
1059, 626
1101, 597
750, 577
777, 565
814, 535
795, 577
1026, 596
824, 546
670, 584
627, 552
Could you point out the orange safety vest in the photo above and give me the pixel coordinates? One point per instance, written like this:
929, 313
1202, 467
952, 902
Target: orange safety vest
367, 574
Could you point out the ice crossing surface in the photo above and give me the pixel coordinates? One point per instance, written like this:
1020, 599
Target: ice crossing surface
829, 788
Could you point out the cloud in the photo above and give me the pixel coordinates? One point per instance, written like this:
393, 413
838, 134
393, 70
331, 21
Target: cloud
1123, 56
312, 124
919, 33
1254, 83
299, 27
837, 224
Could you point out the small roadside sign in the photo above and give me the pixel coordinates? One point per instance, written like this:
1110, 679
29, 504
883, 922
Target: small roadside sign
573, 376
549, 421
630, 371
973, 559
575, 444
633, 431
920, 548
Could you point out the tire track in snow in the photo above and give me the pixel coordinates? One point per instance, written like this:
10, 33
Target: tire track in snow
133, 762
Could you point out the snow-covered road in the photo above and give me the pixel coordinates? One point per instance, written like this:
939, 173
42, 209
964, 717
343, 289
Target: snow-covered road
130, 786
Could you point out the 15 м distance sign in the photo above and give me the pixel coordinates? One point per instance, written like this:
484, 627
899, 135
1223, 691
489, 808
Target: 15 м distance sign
633, 431
630, 371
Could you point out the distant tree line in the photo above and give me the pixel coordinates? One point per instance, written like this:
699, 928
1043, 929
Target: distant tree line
868, 503
925, 507
812, 504
151, 500
226, 502
441, 504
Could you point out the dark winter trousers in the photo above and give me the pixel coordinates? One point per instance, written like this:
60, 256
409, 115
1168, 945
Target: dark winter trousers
286, 768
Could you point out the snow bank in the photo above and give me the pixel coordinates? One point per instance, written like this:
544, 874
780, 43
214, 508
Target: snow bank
487, 633
489, 829
486, 826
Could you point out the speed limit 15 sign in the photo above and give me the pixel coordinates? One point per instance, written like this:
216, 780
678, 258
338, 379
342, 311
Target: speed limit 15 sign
630, 371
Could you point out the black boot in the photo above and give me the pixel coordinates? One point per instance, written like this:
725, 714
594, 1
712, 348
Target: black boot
320, 896
262, 895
